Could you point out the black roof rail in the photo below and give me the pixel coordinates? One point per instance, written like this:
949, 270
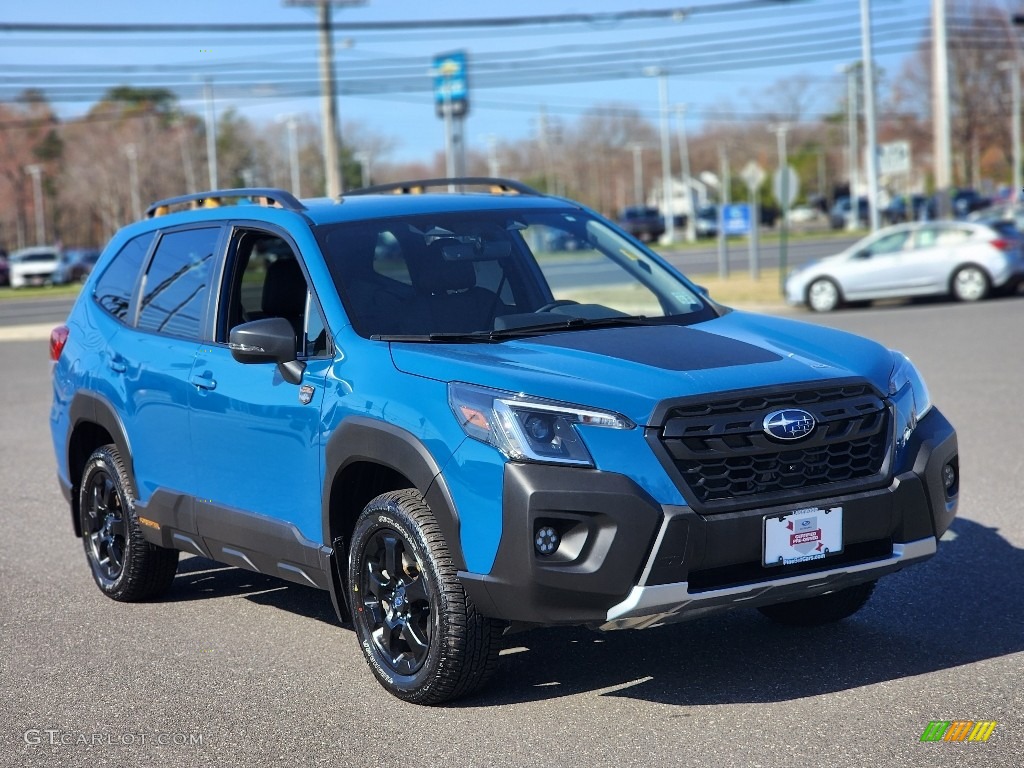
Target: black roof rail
270, 196
496, 186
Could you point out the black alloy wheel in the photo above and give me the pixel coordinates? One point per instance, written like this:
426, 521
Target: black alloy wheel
103, 528
422, 636
396, 601
124, 565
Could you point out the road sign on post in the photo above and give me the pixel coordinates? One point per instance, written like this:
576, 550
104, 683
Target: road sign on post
786, 195
736, 219
451, 99
451, 84
894, 157
752, 175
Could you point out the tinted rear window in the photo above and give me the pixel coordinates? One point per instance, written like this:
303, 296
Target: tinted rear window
116, 284
177, 282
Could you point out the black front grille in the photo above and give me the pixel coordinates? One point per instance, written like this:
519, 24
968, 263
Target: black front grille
725, 459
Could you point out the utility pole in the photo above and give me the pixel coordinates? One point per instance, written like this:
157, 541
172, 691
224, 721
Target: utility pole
328, 95
940, 114
869, 114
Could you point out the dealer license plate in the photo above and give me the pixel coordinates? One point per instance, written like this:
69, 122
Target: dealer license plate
801, 535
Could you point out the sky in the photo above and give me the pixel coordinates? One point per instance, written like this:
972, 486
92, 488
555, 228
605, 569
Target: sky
718, 55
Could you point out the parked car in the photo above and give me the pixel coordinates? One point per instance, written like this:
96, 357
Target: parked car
33, 266
706, 222
5, 270
645, 223
453, 438
993, 216
903, 208
963, 202
842, 212
963, 259
75, 265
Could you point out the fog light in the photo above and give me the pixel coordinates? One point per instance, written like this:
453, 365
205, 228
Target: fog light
546, 541
949, 479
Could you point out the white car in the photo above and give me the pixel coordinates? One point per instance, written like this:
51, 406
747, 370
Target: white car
33, 266
964, 259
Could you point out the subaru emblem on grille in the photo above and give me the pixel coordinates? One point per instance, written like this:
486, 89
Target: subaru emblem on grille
789, 424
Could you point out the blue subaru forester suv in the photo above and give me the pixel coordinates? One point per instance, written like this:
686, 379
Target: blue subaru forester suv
423, 403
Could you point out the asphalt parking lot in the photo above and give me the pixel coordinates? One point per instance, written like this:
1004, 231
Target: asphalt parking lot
235, 668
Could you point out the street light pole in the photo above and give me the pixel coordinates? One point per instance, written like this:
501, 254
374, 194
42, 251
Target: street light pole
133, 180
869, 114
36, 172
940, 109
211, 133
638, 173
1014, 69
852, 114
780, 135
293, 154
666, 152
684, 157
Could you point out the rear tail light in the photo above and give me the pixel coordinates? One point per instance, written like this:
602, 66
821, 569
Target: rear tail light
1002, 245
58, 338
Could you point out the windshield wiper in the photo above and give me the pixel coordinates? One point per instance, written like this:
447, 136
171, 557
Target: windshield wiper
474, 336
569, 324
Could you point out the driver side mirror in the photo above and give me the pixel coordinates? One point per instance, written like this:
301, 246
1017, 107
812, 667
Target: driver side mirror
267, 340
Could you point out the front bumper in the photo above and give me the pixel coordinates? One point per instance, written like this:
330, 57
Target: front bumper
626, 561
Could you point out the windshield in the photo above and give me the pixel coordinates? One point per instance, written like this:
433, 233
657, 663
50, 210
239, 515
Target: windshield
498, 273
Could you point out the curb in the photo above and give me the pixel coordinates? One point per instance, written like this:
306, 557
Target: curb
34, 332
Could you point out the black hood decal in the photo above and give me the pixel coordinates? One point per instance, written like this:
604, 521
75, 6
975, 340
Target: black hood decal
669, 347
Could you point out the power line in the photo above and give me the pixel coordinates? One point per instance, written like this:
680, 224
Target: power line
500, 22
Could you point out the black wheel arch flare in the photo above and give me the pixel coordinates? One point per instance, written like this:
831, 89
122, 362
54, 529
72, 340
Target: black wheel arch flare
363, 440
93, 412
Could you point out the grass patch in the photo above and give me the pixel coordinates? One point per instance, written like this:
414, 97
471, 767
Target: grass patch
738, 290
39, 292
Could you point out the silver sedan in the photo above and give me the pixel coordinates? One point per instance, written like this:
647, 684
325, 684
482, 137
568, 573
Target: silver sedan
934, 258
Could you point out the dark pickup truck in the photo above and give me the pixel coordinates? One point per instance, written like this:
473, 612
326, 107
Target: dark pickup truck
644, 223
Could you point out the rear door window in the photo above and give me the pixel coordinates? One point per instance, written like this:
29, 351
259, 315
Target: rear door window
176, 287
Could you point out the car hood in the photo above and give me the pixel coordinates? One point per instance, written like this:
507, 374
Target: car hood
629, 370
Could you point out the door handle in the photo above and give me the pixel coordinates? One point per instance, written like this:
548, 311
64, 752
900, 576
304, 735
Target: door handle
203, 381
117, 364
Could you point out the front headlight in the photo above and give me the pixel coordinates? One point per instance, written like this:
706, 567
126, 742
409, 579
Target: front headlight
905, 375
528, 428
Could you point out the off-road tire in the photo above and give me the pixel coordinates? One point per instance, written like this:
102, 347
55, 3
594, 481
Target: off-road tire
422, 637
124, 565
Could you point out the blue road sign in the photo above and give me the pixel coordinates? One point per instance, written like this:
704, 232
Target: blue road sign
736, 219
